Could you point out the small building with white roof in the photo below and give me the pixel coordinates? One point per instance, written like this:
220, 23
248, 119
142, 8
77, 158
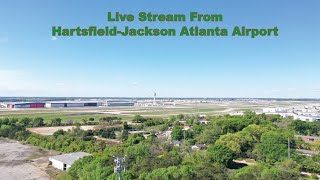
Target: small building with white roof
65, 161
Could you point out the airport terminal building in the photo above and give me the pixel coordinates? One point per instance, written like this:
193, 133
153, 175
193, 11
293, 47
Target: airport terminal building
112, 103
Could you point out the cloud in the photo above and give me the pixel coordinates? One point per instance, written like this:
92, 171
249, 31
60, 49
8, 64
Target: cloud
4, 40
53, 38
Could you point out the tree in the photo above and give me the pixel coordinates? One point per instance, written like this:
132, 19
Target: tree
24, 122
306, 128
238, 142
220, 154
85, 121
209, 136
273, 147
55, 122
177, 133
38, 122
180, 117
190, 121
248, 172
124, 135
125, 126
316, 146
209, 171
138, 119
58, 133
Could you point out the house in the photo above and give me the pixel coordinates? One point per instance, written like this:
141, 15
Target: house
308, 139
204, 122
199, 147
65, 161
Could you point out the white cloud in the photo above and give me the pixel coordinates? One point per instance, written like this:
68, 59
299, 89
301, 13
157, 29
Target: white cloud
53, 38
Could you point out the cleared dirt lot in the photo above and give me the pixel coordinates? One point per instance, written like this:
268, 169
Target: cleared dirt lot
51, 130
21, 162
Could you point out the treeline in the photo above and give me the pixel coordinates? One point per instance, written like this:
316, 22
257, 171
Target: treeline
74, 140
37, 122
306, 128
148, 121
64, 141
40, 122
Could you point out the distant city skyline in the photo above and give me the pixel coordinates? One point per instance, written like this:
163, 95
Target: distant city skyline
32, 63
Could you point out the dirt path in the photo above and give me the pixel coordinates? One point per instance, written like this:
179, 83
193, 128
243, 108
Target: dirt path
21, 162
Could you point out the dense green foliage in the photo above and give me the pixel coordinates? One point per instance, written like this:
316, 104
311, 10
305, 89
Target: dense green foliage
74, 140
226, 138
306, 128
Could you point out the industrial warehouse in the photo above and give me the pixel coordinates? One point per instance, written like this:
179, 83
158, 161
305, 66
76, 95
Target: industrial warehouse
65, 161
66, 104
23, 105
61, 104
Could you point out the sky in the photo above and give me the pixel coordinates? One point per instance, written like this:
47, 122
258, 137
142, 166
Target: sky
33, 63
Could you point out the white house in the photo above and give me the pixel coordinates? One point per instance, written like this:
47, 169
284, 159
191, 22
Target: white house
65, 161
204, 122
199, 147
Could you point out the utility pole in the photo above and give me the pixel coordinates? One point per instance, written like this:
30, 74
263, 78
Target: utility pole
288, 148
119, 166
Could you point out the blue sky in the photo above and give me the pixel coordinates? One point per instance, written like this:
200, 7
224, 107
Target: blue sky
34, 64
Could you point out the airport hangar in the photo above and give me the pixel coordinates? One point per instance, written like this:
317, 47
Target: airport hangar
25, 105
61, 104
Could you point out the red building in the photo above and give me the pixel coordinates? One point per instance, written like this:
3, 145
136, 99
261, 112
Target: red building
26, 105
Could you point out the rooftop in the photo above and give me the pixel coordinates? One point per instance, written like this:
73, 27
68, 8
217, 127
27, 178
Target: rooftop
312, 137
23, 103
63, 102
70, 158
